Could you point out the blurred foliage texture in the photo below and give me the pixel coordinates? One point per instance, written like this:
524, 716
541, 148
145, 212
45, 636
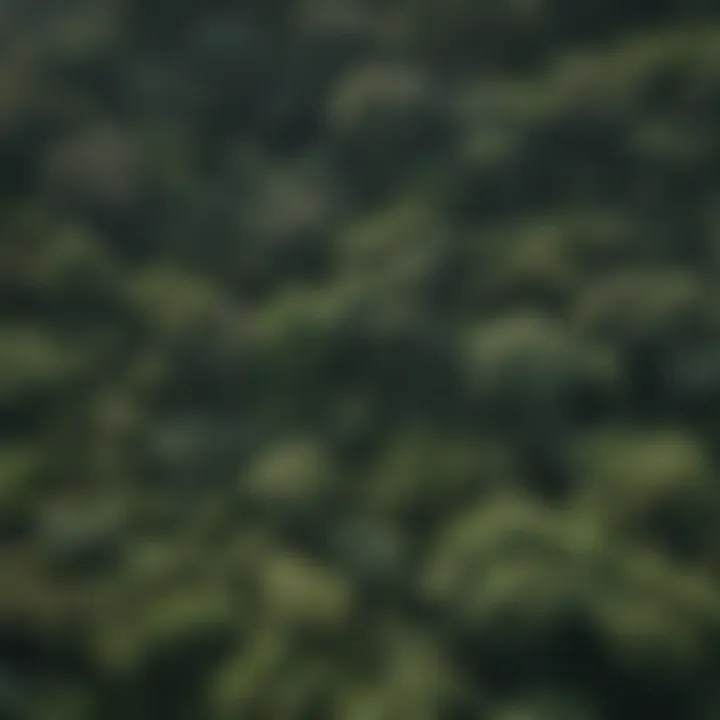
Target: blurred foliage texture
359, 360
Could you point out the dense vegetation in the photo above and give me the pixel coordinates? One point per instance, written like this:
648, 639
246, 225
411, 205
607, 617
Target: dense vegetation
359, 360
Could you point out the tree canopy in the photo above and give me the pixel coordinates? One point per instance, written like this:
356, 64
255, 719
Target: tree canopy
359, 360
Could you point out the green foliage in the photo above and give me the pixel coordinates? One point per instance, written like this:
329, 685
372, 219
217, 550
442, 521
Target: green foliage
18, 479
659, 486
359, 360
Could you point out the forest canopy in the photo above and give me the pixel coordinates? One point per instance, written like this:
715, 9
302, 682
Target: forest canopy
359, 360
